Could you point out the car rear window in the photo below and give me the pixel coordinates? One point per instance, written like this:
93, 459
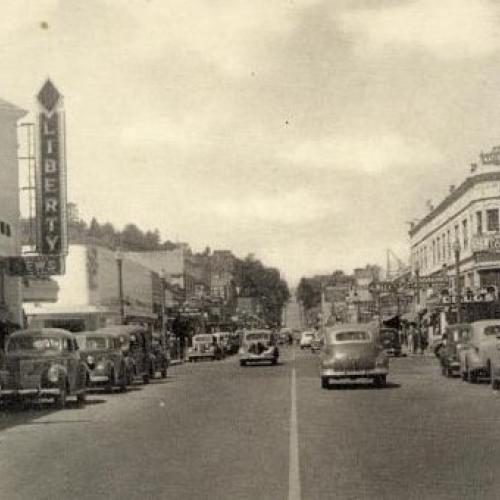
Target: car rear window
492, 330
351, 336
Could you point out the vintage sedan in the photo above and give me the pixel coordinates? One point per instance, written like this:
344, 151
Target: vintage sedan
102, 353
455, 341
353, 351
476, 360
161, 354
306, 339
43, 363
258, 346
135, 344
389, 338
203, 347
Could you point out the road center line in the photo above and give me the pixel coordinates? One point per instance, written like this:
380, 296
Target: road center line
293, 467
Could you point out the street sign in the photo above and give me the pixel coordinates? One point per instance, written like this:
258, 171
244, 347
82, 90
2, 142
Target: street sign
382, 287
429, 281
36, 265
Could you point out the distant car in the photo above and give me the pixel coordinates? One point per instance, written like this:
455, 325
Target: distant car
160, 354
317, 342
306, 339
284, 335
258, 346
476, 360
203, 348
353, 351
389, 337
102, 353
43, 362
456, 341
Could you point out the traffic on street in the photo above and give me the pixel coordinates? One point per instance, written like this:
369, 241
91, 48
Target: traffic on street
218, 430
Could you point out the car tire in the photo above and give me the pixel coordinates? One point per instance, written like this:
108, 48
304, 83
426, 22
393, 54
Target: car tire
111, 381
243, 363
449, 372
60, 399
274, 361
145, 379
380, 381
325, 383
472, 376
81, 399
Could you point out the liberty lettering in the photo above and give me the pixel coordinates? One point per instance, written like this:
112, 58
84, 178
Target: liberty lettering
52, 241
50, 166
51, 205
51, 223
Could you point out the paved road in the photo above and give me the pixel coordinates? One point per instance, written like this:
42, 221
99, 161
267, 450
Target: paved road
219, 431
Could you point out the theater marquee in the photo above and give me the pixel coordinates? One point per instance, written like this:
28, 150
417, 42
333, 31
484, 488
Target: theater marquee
51, 174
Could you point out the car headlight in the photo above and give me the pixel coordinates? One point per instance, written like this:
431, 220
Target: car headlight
242, 350
90, 360
53, 374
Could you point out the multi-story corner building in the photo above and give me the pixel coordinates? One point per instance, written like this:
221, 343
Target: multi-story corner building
10, 241
467, 221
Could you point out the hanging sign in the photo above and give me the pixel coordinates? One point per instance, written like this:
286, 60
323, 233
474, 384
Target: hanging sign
51, 174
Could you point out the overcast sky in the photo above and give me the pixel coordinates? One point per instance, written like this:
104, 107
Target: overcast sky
307, 132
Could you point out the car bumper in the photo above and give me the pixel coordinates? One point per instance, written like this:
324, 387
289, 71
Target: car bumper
258, 357
34, 392
198, 356
330, 372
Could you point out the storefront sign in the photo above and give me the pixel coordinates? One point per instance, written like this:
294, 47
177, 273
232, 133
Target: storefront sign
51, 174
36, 265
486, 243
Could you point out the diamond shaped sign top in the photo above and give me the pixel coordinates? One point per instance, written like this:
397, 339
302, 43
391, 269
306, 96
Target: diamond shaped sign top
48, 96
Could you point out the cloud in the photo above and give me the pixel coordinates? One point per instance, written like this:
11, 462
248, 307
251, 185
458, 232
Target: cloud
293, 207
368, 154
449, 29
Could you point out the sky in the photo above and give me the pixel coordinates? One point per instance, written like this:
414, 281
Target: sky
306, 132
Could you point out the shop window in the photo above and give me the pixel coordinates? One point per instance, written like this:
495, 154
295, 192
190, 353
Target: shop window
479, 222
7, 229
492, 219
2, 227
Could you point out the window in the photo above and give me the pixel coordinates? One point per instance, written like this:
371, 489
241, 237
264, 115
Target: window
449, 243
7, 229
2, 227
492, 219
465, 233
457, 235
444, 246
433, 252
438, 249
479, 222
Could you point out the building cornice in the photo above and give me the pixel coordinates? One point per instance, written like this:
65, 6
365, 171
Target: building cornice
469, 183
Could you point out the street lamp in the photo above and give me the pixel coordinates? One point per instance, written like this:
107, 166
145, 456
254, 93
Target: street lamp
119, 263
456, 251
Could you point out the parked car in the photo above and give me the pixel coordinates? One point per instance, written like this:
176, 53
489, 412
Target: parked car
306, 339
353, 351
391, 343
234, 342
203, 348
160, 351
284, 336
455, 341
135, 343
258, 346
101, 351
43, 362
476, 359
317, 342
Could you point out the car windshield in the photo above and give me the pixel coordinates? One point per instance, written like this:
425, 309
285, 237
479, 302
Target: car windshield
35, 344
353, 336
492, 330
256, 336
92, 343
203, 338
